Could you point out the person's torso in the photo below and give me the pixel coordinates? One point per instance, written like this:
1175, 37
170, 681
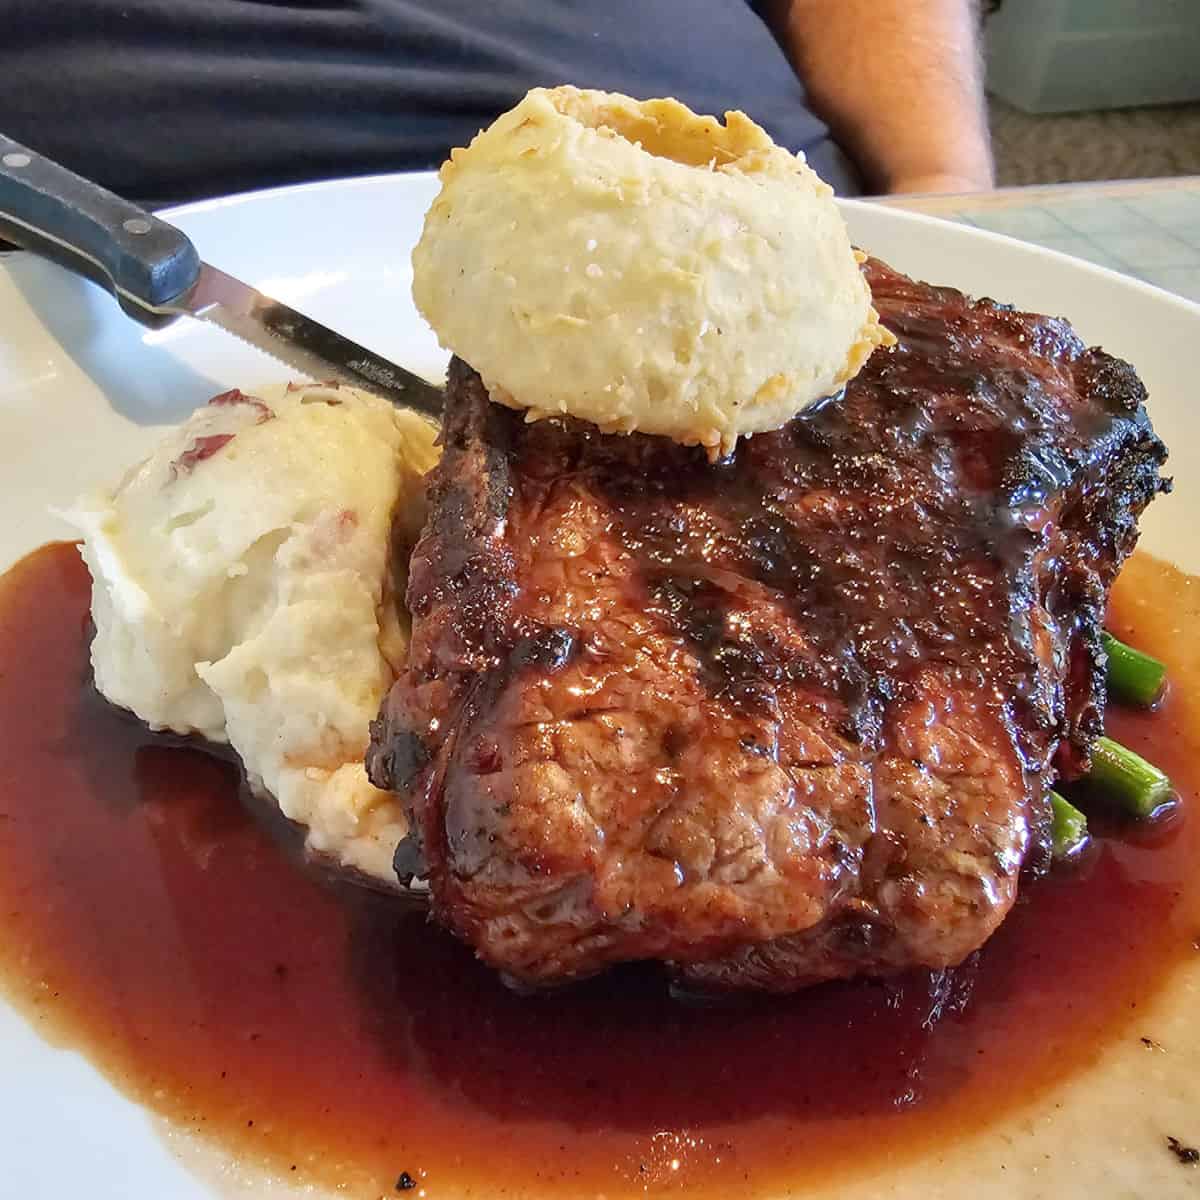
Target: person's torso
173, 99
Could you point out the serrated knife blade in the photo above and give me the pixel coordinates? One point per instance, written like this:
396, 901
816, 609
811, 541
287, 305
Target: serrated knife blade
300, 342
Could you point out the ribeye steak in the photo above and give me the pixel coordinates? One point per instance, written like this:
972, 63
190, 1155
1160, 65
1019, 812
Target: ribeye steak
786, 717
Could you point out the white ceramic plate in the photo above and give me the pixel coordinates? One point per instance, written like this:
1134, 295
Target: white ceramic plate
81, 391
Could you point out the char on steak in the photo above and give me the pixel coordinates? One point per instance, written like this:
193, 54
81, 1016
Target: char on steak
786, 717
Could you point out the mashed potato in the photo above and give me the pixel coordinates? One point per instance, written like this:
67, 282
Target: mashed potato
244, 588
642, 267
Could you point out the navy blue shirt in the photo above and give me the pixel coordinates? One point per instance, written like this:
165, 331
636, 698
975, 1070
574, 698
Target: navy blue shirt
168, 100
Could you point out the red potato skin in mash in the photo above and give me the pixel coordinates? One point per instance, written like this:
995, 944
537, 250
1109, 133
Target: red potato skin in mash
198, 451
206, 447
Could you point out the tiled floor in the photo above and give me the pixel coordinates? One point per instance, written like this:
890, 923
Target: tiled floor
1131, 143
1154, 238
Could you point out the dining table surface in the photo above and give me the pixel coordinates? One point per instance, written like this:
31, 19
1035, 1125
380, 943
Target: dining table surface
1147, 228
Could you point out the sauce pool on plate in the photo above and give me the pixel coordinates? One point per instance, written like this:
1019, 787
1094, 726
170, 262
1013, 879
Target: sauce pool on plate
333, 1036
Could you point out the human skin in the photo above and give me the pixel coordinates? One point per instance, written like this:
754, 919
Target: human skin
900, 84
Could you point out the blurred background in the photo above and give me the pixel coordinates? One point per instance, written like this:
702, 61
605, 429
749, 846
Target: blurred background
1093, 89
1102, 96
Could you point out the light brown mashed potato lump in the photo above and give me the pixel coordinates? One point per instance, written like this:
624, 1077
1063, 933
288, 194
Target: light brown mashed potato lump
247, 585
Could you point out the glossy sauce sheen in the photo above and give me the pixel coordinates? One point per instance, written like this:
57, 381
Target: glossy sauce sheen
147, 921
753, 682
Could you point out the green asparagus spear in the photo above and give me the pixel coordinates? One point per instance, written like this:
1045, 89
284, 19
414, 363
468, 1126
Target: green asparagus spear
1069, 831
1133, 677
1126, 779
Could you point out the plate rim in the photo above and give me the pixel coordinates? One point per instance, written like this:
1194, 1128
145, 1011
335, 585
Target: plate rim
887, 212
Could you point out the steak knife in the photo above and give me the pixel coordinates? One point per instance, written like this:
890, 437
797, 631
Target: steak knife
157, 276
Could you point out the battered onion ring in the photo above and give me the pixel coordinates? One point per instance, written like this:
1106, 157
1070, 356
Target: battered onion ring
643, 268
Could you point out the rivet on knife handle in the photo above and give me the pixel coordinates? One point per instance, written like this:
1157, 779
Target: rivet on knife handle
48, 209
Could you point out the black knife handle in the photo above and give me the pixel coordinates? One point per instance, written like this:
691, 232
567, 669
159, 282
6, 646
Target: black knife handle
53, 212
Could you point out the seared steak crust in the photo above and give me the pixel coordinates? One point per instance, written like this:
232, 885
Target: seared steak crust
787, 717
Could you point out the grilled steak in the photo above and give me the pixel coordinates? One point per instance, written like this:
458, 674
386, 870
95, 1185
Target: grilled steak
787, 717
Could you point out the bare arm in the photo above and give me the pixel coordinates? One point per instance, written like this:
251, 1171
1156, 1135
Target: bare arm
899, 82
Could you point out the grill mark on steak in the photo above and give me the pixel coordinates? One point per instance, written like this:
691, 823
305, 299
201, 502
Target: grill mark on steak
786, 717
